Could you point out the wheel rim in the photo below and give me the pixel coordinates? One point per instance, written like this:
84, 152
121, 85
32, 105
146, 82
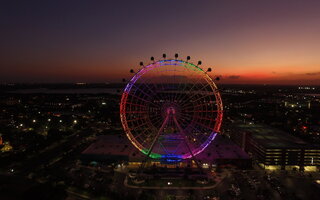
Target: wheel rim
185, 88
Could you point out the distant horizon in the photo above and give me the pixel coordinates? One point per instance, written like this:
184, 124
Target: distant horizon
124, 83
245, 42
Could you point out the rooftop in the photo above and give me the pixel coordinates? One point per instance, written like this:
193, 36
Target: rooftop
119, 145
270, 137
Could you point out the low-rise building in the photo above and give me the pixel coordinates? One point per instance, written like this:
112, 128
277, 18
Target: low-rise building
275, 149
117, 148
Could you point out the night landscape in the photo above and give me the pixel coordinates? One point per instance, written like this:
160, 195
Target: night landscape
173, 100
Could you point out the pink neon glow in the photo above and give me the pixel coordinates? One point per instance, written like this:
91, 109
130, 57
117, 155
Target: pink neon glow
159, 64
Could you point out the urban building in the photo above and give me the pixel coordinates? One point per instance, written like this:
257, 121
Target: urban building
274, 149
117, 148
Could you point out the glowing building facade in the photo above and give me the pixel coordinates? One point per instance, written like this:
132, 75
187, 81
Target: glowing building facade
275, 149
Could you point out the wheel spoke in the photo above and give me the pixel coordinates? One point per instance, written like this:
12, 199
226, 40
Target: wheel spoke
168, 98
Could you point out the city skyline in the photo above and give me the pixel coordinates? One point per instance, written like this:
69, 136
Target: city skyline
154, 100
245, 42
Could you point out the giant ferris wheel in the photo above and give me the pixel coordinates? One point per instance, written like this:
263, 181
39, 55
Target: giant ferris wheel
171, 109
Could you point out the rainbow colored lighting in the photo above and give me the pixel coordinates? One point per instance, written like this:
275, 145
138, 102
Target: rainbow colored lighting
159, 64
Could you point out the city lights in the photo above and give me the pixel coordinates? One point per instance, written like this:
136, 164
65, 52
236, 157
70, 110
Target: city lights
226, 106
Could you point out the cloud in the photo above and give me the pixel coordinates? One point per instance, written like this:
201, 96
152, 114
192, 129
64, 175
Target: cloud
234, 77
313, 73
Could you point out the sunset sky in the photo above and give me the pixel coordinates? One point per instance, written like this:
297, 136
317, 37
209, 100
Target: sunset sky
264, 42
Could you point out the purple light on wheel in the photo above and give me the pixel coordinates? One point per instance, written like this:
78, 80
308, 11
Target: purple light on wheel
193, 101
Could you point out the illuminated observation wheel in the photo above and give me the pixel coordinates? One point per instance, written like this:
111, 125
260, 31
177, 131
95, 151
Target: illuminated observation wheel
171, 109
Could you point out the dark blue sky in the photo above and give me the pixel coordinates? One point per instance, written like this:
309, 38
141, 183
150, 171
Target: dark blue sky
96, 41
